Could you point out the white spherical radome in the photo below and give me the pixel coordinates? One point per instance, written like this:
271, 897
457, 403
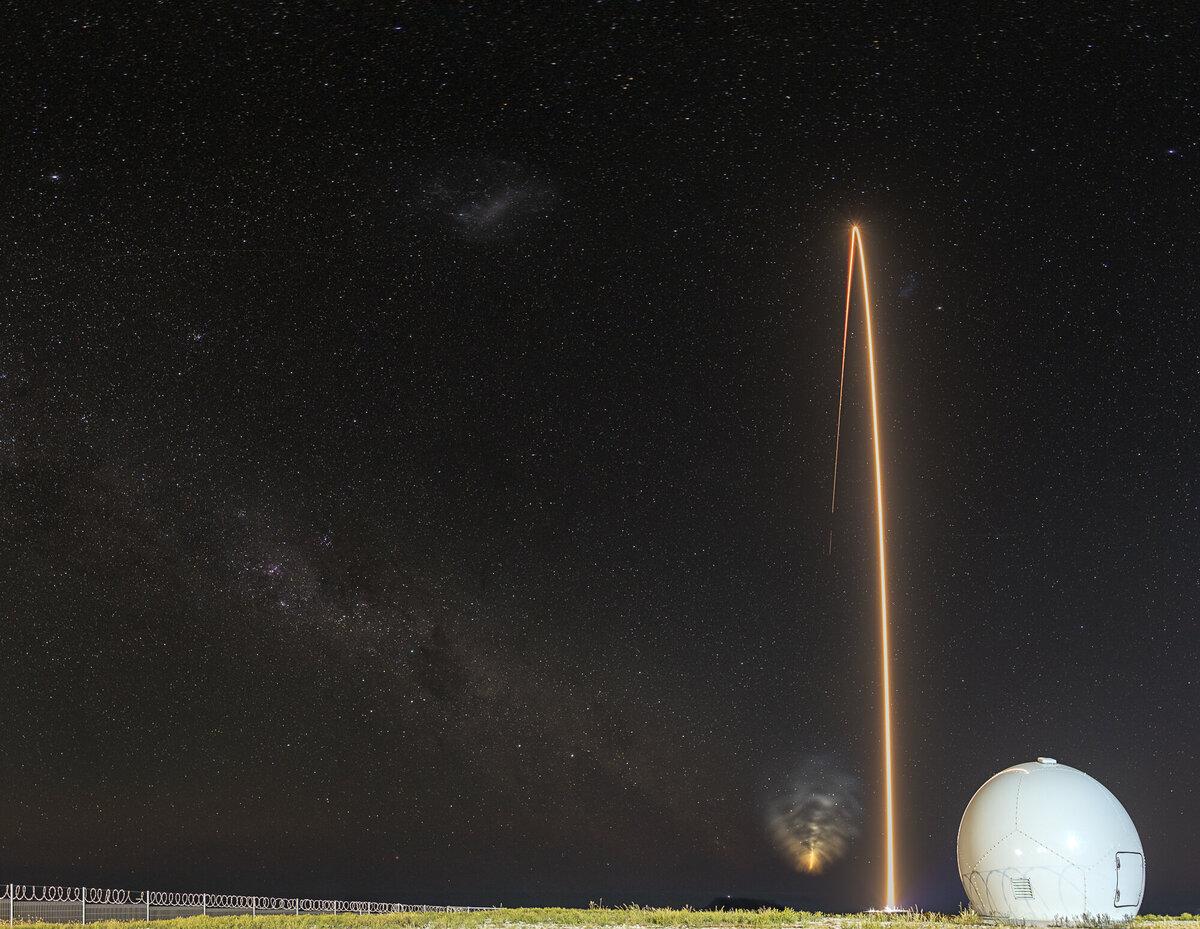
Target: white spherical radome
1043, 841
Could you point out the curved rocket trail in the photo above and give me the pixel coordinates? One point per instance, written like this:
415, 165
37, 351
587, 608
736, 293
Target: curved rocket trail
856, 241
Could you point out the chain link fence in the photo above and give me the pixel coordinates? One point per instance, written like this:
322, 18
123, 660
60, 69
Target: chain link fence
51, 904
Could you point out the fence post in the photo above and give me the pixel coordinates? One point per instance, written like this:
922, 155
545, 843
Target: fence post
10, 903
335, 908
204, 904
83, 905
297, 906
253, 907
147, 906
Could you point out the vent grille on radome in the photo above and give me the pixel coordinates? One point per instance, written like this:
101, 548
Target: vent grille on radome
1021, 888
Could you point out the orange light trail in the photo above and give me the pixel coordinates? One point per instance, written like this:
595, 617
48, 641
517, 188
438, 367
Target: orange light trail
856, 241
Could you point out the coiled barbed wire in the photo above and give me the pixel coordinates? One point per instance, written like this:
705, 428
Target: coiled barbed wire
45, 893
115, 897
171, 898
54, 893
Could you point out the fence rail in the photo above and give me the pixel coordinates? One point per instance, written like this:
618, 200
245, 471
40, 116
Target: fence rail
62, 904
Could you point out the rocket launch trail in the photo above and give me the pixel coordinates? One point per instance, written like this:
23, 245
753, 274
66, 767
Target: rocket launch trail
856, 248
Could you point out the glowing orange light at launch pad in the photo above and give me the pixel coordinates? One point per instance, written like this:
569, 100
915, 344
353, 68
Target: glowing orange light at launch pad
856, 245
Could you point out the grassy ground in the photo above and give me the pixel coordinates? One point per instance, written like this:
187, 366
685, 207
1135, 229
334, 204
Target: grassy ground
600, 918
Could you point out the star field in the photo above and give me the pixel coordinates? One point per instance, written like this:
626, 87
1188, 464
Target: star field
416, 428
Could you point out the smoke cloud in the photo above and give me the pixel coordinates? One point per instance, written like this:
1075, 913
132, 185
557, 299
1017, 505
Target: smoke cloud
816, 818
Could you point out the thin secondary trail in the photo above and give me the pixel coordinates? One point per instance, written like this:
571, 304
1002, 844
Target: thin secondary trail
837, 442
856, 241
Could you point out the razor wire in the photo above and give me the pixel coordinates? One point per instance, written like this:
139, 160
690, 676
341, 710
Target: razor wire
48, 902
115, 897
45, 893
168, 898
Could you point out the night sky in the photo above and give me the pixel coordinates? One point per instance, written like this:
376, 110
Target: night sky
417, 430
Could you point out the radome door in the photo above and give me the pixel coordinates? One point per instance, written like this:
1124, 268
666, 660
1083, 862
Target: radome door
1130, 879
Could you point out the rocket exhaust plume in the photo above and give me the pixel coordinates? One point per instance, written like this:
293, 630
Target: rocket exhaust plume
856, 248
813, 820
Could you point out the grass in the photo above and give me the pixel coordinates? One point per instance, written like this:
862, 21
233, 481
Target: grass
600, 917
